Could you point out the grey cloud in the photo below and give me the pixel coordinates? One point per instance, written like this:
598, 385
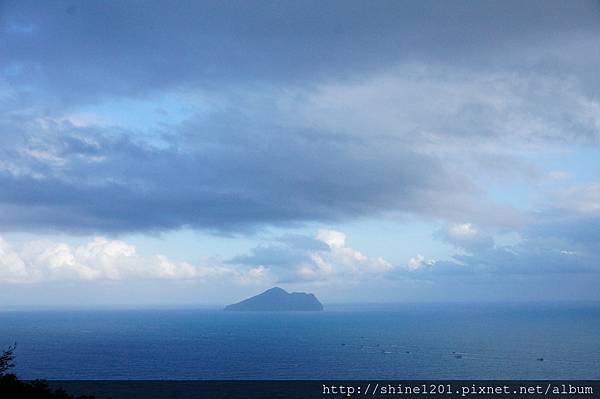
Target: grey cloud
273, 255
555, 242
115, 183
574, 229
84, 51
303, 242
293, 260
246, 164
529, 258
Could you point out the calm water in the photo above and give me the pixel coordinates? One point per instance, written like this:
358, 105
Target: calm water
375, 342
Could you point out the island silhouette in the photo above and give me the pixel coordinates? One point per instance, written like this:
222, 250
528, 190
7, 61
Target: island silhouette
278, 299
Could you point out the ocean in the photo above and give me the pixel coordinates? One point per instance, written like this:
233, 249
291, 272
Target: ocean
396, 341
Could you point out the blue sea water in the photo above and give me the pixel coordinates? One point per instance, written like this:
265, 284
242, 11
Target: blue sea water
402, 341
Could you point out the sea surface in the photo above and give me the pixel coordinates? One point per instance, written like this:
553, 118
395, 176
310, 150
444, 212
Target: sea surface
401, 341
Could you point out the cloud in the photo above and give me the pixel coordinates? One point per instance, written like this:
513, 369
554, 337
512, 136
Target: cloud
248, 175
106, 260
555, 241
333, 261
584, 199
216, 45
12, 267
278, 157
573, 228
418, 262
334, 239
530, 258
465, 236
291, 258
235, 117
443, 107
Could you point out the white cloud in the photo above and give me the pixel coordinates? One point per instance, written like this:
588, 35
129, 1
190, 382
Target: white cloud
293, 260
12, 267
340, 260
419, 262
565, 252
466, 236
464, 230
46, 157
104, 259
334, 239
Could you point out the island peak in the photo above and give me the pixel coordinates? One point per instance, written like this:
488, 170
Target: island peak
278, 299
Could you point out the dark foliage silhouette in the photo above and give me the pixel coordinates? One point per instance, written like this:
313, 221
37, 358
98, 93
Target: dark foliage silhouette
12, 387
7, 358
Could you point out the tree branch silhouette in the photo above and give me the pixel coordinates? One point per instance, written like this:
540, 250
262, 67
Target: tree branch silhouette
7, 358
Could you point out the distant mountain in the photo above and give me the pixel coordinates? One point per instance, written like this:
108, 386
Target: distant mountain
277, 299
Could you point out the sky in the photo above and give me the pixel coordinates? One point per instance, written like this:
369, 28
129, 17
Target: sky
187, 153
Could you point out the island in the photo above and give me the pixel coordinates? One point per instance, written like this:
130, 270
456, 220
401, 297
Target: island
278, 299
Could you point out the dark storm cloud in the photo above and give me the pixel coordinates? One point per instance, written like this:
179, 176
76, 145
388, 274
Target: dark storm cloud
82, 51
104, 183
245, 165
